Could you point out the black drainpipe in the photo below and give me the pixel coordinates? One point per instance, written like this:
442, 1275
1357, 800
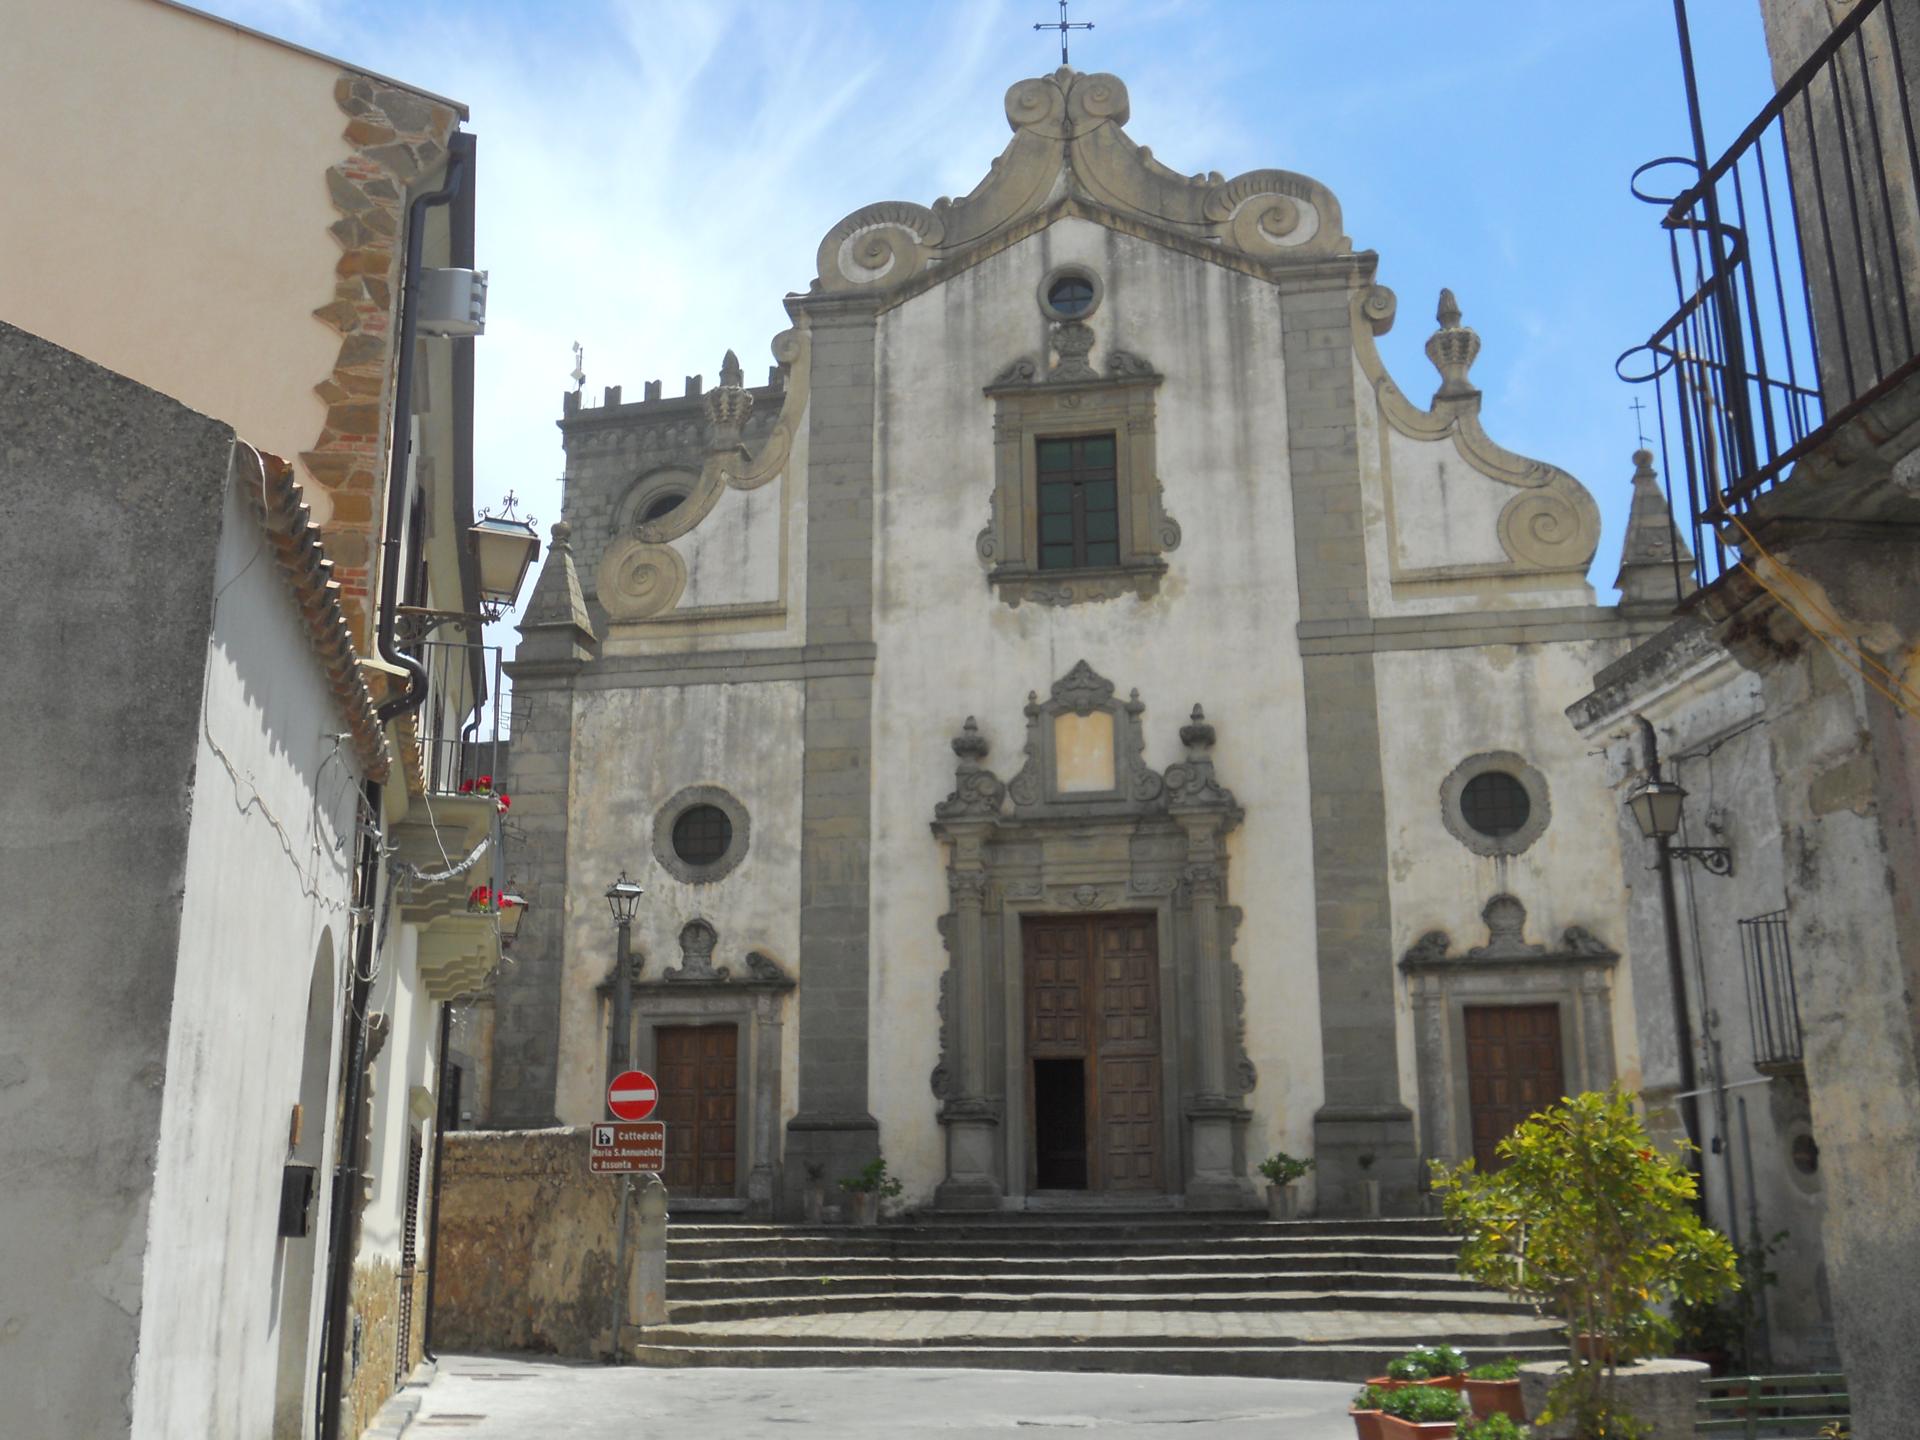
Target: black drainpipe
346, 1163
444, 1117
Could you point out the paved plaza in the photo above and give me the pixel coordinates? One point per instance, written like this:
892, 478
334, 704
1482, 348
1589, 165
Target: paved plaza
499, 1398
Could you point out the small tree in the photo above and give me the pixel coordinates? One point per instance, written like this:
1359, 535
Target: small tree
1589, 1222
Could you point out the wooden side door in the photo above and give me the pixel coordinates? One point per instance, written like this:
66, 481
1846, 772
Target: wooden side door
1513, 1070
1127, 1041
697, 1069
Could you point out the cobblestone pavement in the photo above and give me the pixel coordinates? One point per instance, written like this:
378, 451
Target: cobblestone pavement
498, 1398
908, 1326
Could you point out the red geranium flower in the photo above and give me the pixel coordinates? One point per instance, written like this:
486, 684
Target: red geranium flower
505, 801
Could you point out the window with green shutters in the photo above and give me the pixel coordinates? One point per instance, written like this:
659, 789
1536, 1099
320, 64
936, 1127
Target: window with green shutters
1079, 502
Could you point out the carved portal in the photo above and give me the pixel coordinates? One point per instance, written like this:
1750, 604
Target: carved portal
1147, 843
1576, 975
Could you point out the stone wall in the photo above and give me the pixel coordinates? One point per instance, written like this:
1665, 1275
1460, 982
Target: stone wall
527, 1240
372, 1338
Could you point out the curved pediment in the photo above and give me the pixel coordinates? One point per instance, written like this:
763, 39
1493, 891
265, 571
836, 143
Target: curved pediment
1069, 143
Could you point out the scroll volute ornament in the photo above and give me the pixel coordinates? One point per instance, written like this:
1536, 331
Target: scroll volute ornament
1074, 121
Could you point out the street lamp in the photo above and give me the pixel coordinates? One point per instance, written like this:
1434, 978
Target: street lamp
504, 549
623, 899
1656, 807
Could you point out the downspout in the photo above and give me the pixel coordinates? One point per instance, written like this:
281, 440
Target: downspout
346, 1165
441, 1119
459, 150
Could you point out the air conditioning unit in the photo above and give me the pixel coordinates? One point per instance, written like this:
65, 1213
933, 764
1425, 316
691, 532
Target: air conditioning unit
452, 302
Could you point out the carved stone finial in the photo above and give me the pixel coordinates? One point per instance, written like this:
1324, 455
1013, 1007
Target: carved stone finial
561, 532
697, 942
1452, 349
970, 745
1197, 735
728, 405
1656, 567
1506, 920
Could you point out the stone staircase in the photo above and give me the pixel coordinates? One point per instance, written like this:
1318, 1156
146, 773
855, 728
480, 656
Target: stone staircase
1158, 1292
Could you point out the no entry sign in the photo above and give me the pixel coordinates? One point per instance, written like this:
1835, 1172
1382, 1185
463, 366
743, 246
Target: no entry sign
632, 1095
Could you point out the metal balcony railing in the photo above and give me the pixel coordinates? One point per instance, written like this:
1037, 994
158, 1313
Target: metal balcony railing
1773, 1005
1796, 263
461, 735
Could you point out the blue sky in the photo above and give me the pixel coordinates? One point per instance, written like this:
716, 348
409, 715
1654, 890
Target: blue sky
656, 174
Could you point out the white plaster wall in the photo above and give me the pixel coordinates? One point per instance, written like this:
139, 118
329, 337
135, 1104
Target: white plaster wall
1220, 632
225, 191
1437, 708
406, 1060
633, 750
1426, 507
268, 875
734, 556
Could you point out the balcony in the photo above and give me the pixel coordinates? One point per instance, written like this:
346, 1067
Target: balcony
1795, 347
1773, 1006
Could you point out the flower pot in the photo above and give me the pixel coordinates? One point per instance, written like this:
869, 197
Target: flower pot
1392, 1427
1592, 1348
1443, 1382
1366, 1424
865, 1207
1495, 1397
1280, 1202
1371, 1191
813, 1203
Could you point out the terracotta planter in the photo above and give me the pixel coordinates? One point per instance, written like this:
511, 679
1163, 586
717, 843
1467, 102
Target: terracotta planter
864, 1207
1392, 1427
1594, 1349
813, 1203
1366, 1424
1444, 1382
1495, 1397
1280, 1202
1370, 1192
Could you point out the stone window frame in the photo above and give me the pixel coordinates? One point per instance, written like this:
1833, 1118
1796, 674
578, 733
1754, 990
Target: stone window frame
1027, 411
1069, 272
1540, 806
669, 814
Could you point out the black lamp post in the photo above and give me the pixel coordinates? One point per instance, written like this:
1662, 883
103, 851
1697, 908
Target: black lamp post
623, 898
1656, 808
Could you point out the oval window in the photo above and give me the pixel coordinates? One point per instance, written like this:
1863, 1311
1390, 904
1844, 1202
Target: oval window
702, 834
1495, 803
1071, 295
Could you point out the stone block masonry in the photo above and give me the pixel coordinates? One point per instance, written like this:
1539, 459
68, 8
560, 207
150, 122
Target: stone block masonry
1362, 1117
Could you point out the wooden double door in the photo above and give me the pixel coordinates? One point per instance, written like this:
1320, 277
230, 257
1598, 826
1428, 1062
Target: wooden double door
1513, 1070
697, 1068
1093, 1052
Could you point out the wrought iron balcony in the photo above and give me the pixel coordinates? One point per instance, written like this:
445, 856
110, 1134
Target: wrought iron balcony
461, 729
1773, 1006
1796, 263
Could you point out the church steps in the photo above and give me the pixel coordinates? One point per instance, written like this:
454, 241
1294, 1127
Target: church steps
1069, 1281
1287, 1361
1527, 1336
1021, 1266
827, 1299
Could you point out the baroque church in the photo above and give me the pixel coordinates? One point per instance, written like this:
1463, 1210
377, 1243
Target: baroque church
1082, 725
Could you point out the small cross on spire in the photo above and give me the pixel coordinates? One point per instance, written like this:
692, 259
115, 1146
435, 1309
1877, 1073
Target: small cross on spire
1063, 25
1639, 428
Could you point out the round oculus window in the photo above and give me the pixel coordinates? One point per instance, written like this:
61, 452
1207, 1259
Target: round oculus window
1495, 803
661, 506
1071, 295
702, 834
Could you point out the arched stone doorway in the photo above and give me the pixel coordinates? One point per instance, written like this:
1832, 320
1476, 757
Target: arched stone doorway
302, 1255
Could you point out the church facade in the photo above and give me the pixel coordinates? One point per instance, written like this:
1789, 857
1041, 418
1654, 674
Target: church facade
1082, 726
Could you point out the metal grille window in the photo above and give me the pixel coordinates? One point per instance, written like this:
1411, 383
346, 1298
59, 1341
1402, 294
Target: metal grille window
702, 834
1079, 503
1773, 1006
1495, 803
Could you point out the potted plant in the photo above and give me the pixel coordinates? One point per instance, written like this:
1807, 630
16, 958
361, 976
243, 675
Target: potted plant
1589, 1222
1369, 1186
1281, 1170
1494, 1389
1494, 1427
1420, 1412
814, 1198
1433, 1365
482, 786
869, 1189
1365, 1411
